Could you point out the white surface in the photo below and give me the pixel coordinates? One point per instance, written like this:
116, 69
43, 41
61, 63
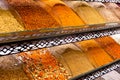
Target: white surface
116, 38
112, 76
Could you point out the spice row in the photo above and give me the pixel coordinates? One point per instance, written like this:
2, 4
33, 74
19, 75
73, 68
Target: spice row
65, 61
42, 14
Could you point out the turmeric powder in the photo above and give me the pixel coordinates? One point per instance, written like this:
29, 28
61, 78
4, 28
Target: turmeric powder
64, 13
95, 53
110, 46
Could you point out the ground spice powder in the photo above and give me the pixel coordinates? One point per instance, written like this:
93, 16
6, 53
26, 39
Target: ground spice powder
77, 61
110, 46
88, 14
8, 23
66, 16
95, 53
114, 8
34, 16
105, 12
42, 65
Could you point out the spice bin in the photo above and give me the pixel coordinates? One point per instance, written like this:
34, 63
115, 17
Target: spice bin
30, 29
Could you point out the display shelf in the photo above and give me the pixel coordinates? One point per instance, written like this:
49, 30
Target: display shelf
93, 75
68, 35
114, 1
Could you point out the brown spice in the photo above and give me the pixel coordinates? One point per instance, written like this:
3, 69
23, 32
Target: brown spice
110, 46
88, 14
105, 12
95, 53
11, 69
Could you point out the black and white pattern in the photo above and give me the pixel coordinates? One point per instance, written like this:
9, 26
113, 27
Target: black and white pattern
47, 39
17, 47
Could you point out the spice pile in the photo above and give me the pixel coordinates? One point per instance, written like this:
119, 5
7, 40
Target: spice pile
104, 11
42, 65
88, 14
64, 13
96, 55
110, 46
8, 23
34, 15
77, 61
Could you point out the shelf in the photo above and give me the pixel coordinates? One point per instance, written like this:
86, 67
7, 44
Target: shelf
114, 1
92, 75
10, 45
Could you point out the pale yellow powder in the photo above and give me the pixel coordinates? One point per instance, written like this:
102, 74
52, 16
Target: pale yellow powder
8, 23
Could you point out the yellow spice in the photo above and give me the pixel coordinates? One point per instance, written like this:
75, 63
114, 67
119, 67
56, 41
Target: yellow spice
8, 23
77, 61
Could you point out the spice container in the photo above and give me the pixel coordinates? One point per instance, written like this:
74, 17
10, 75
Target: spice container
8, 22
41, 64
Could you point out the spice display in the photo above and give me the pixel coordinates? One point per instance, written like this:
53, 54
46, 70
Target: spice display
110, 46
42, 65
8, 23
77, 61
34, 15
105, 12
95, 53
86, 12
115, 8
64, 13
11, 69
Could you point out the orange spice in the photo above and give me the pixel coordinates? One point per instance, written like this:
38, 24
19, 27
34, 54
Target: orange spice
65, 14
110, 46
42, 65
95, 53
33, 15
